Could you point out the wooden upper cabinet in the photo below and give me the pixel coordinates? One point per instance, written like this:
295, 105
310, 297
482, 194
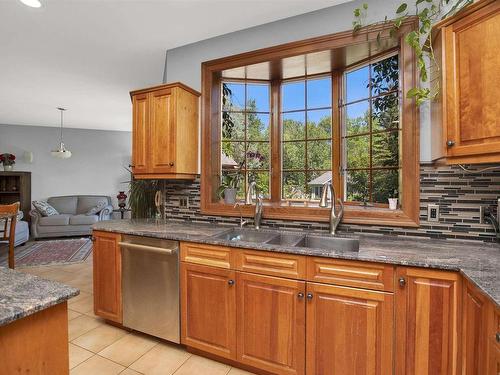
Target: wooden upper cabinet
107, 276
208, 309
467, 48
475, 308
271, 323
140, 132
427, 322
349, 331
165, 132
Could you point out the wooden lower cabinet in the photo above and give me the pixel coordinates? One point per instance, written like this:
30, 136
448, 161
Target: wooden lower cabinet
208, 309
271, 323
107, 276
474, 320
427, 308
493, 339
349, 331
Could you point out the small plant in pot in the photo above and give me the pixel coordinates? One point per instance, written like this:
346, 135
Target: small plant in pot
229, 186
8, 161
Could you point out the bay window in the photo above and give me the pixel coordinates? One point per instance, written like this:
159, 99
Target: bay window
291, 122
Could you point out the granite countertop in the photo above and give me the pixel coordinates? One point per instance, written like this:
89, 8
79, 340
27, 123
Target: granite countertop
478, 261
23, 294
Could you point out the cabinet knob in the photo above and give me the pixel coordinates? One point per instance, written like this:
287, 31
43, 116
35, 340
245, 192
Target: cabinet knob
171, 163
93, 239
497, 337
300, 295
310, 296
450, 143
231, 282
402, 282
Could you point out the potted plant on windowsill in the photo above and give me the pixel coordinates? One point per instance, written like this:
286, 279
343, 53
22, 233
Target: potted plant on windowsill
229, 186
8, 161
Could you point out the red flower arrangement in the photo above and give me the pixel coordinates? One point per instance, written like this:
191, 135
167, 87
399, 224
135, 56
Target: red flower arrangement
8, 159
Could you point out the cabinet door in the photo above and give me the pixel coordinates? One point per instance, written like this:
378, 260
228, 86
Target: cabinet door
208, 309
426, 322
349, 331
107, 276
474, 335
472, 72
162, 132
140, 134
271, 323
493, 340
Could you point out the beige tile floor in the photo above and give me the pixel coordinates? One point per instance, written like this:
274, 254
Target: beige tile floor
96, 348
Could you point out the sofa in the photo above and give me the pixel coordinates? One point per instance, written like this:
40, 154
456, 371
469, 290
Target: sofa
22, 234
72, 218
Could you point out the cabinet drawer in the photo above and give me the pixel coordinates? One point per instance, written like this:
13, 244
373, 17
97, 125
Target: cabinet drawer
351, 273
208, 255
273, 264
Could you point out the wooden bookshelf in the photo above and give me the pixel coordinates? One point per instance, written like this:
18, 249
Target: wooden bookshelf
16, 187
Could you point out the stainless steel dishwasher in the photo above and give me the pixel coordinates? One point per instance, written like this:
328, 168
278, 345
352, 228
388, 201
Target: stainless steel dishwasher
150, 283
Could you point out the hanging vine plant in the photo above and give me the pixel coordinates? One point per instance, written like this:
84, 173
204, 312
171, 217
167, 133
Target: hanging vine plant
428, 12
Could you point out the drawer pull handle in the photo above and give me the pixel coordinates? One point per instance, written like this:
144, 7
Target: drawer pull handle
230, 282
402, 282
310, 296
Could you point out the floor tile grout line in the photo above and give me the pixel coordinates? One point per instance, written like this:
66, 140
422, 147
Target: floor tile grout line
183, 363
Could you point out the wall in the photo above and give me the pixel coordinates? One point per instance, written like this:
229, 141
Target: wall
458, 194
96, 166
184, 63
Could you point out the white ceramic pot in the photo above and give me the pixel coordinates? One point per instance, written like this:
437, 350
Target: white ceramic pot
230, 196
393, 203
8, 168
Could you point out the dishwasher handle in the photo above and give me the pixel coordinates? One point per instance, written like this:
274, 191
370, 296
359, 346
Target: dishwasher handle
154, 249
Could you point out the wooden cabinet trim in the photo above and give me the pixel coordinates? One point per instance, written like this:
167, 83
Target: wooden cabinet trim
358, 274
269, 263
208, 255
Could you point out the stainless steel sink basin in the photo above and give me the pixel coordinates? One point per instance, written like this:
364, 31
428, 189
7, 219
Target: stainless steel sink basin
286, 239
246, 235
329, 243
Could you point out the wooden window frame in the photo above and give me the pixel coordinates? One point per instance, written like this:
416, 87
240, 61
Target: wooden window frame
407, 216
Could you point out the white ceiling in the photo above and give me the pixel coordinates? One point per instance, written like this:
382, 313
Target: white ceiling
87, 55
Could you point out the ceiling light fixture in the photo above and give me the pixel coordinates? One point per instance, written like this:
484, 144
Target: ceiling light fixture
32, 3
61, 152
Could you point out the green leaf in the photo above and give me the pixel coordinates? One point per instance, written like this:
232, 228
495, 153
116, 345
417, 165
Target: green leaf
357, 12
365, 6
419, 2
402, 8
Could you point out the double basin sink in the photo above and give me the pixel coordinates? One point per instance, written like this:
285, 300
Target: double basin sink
277, 238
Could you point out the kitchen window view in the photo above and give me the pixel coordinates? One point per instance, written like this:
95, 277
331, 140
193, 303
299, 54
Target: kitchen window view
367, 110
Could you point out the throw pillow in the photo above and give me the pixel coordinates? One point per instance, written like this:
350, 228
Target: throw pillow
44, 208
95, 210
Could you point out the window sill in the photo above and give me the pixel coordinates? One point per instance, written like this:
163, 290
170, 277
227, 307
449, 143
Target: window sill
352, 214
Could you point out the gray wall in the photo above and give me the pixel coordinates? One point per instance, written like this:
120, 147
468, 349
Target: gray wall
96, 166
184, 63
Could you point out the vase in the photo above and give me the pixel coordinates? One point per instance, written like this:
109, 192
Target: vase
122, 199
393, 203
8, 168
230, 196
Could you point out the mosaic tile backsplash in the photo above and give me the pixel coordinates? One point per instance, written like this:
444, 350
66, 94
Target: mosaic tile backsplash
459, 195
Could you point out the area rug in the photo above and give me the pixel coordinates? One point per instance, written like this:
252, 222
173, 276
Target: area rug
44, 253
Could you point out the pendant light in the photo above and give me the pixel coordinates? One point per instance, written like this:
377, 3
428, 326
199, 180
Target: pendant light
61, 152
32, 3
